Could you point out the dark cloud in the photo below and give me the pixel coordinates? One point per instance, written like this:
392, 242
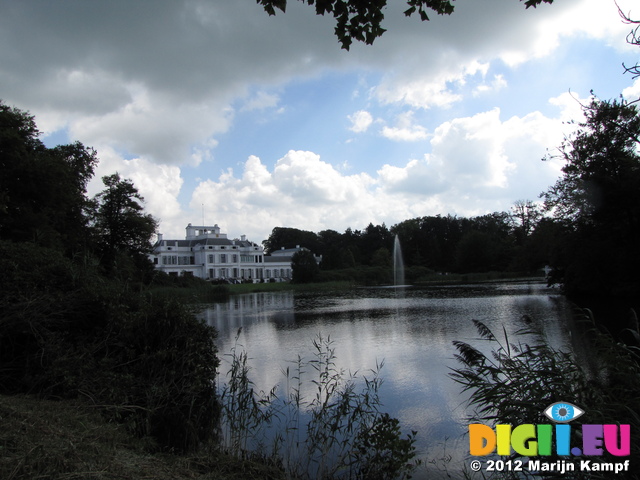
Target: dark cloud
162, 80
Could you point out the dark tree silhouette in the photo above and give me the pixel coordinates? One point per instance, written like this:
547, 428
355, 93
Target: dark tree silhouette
120, 222
304, 268
633, 39
597, 200
42, 190
361, 20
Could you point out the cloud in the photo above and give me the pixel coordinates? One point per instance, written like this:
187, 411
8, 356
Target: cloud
360, 121
497, 84
301, 191
156, 127
160, 185
570, 105
155, 82
477, 164
494, 161
160, 82
196, 51
406, 130
417, 177
260, 101
432, 61
156, 90
427, 93
632, 93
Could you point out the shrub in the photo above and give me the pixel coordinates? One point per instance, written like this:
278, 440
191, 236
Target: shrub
37, 294
66, 331
304, 268
151, 365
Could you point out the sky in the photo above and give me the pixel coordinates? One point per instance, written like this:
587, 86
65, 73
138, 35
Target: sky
222, 114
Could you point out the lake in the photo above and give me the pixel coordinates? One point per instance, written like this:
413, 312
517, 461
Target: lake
411, 330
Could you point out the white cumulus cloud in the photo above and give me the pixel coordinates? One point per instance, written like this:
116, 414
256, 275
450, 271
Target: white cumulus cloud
477, 164
405, 130
360, 121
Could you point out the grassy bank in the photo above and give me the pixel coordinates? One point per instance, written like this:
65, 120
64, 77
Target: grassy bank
286, 286
204, 292
459, 278
435, 279
71, 441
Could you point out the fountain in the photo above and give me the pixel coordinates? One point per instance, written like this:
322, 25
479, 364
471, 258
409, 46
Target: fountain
398, 265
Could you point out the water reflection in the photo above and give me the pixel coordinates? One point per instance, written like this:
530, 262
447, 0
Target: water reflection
412, 334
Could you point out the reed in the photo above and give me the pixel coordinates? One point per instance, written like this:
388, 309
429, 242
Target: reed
338, 432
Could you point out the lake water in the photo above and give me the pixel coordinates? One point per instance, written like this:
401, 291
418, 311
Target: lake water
412, 330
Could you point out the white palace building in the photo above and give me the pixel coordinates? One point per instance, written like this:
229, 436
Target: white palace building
208, 254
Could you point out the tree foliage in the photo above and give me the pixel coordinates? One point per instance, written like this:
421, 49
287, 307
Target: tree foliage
525, 216
597, 199
42, 190
361, 20
67, 330
121, 225
633, 39
285, 237
499, 241
304, 267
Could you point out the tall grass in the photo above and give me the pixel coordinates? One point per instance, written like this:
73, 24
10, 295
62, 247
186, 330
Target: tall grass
338, 432
519, 379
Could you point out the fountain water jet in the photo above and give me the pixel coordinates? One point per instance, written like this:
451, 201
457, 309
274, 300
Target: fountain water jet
398, 264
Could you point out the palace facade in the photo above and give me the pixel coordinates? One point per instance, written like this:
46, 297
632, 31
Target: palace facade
208, 254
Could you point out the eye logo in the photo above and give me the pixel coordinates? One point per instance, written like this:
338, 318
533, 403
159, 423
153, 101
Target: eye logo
563, 412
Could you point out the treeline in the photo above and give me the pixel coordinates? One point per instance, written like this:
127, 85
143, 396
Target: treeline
77, 317
516, 241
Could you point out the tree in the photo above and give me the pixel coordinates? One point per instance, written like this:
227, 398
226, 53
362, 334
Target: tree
42, 190
633, 39
332, 249
597, 199
290, 237
304, 268
525, 216
121, 225
361, 20
476, 253
600, 177
382, 258
372, 239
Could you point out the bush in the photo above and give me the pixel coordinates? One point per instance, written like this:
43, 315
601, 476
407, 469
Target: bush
148, 364
304, 268
38, 293
364, 275
67, 332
